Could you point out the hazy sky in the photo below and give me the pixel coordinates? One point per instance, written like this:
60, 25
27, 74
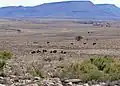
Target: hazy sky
37, 2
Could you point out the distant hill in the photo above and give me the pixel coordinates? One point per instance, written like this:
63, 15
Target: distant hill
69, 9
110, 9
65, 9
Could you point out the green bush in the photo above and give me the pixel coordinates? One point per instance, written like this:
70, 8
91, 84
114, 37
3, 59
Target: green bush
93, 75
101, 62
5, 55
2, 64
75, 70
113, 71
95, 68
85, 67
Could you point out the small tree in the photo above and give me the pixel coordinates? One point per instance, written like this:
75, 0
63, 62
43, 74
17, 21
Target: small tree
78, 38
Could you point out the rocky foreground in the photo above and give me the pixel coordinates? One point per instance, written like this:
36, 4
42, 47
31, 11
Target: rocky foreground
36, 81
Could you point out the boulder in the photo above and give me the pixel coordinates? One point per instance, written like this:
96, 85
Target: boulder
73, 80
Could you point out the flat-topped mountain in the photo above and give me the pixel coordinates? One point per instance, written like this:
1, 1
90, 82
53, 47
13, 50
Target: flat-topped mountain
65, 9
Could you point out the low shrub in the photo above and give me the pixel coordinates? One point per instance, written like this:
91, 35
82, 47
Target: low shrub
93, 75
101, 62
35, 69
113, 71
95, 68
2, 65
5, 55
77, 70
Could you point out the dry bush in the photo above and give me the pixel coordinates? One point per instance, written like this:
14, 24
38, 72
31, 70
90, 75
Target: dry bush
78, 38
35, 69
95, 68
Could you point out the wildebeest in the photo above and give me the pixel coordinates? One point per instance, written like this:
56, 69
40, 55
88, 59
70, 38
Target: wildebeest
71, 43
33, 52
19, 31
54, 51
94, 43
51, 51
44, 51
63, 52
84, 43
48, 42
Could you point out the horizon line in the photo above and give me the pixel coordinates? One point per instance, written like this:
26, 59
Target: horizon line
56, 2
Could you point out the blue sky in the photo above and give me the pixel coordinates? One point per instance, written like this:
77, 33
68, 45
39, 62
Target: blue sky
37, 2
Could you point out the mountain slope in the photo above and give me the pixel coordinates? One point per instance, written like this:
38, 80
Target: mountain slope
69, 9
109, 9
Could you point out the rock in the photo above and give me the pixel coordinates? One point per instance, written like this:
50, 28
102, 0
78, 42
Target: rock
108, 83
116, 83
2, 80
36, 78
12, 76
86, 84
32, 85
51, 82
94, 82
73, 81
17, 84
97, 85
102, 84
2, 85
79, 85
69, 84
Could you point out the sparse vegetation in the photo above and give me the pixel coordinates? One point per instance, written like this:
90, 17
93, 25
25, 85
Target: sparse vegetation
35, 69
51, 53
95, 68
2, 64
4, 56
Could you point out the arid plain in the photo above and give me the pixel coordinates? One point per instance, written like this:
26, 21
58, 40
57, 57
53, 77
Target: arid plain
52, 42
22, 36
